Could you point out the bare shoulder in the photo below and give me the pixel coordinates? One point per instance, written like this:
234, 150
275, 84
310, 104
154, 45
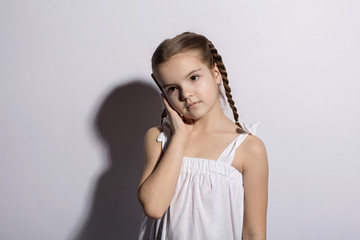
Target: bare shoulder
254, 152
151, 146
254, 145
152, 133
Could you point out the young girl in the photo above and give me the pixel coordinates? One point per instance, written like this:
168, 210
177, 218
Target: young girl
205, 177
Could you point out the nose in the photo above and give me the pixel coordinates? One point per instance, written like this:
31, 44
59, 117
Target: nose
186, 92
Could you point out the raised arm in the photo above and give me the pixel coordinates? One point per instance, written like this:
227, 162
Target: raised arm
255, 176
161, 171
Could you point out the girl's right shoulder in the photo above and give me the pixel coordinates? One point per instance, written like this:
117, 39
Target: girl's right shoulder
150, 139
153, 132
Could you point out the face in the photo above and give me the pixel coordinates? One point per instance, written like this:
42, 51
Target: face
189, 85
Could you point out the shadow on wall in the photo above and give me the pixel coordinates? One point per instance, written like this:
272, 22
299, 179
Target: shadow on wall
120, 123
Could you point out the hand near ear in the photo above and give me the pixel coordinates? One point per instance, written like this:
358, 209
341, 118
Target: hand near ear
180, 125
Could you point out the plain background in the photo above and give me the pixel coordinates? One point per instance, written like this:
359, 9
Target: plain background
77, 97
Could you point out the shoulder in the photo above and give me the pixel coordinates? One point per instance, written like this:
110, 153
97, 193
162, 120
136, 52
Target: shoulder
251, 152
151, 136
152, 148
153, 132
254, 145
254, 152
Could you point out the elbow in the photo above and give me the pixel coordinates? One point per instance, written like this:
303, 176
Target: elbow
151, 207
255, 232
254, 235
153, 213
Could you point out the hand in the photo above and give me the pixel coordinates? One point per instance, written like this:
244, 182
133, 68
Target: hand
179, 124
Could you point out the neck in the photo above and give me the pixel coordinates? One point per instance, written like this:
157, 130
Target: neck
214, 120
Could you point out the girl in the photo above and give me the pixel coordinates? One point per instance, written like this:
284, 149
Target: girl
205, 177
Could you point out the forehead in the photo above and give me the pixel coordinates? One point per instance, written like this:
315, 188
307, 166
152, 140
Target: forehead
179, 65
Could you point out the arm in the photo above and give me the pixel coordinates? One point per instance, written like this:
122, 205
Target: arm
161, 173
255, 176
158, 182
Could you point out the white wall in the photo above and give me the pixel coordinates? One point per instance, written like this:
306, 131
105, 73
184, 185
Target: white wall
77, 97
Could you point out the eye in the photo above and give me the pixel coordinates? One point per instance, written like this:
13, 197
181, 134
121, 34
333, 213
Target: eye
194, 77
171, 89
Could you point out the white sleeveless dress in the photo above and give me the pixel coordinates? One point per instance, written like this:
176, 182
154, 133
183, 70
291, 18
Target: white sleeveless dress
208, 201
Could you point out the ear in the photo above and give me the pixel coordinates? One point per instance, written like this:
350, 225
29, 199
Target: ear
217, 74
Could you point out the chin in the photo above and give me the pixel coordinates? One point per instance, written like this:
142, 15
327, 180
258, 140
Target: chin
192, 118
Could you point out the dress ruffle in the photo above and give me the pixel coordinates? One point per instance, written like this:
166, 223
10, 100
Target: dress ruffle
203, 165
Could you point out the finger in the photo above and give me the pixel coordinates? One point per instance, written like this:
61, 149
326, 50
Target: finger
166, 104
170, 110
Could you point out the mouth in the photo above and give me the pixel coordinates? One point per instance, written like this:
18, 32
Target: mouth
192, 105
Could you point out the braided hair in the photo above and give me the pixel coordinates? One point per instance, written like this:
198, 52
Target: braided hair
209, 55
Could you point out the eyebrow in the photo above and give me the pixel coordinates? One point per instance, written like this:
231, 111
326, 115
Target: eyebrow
195, 70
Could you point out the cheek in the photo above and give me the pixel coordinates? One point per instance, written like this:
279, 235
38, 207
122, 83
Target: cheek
174, 100
207, 88
172, 97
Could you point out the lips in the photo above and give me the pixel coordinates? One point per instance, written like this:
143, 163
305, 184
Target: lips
191, 105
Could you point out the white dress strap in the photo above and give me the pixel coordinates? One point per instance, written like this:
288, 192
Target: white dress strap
228, 154
165, 134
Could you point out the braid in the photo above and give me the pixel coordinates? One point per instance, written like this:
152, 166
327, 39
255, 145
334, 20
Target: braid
192, 41
218, 60
163, 115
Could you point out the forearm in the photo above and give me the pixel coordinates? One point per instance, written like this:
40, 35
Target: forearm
156, 192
